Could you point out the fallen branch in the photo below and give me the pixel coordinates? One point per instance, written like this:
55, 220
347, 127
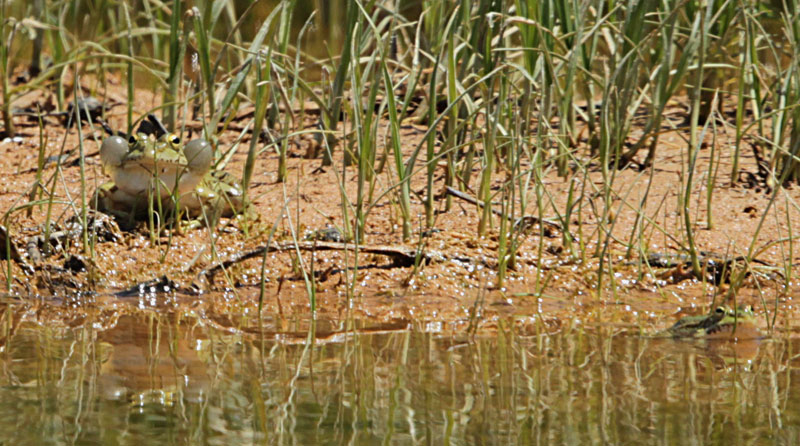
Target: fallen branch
401, 256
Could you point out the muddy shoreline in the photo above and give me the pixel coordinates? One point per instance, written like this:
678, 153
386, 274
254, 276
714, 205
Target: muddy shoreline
446, 275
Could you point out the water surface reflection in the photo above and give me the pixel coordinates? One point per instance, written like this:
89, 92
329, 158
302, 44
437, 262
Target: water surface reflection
170, 379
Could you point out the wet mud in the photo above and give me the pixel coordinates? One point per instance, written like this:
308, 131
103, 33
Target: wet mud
446, 277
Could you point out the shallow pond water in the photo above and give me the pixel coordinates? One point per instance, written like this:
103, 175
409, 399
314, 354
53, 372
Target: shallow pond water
148, 378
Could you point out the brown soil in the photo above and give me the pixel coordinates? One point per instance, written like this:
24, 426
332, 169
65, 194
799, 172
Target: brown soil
441, 295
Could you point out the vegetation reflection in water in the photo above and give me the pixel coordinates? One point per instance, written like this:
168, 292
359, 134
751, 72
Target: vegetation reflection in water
150, 379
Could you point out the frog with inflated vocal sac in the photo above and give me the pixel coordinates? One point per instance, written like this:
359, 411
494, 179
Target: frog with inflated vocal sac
162, 171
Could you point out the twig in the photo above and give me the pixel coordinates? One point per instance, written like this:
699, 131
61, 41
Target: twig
401, 256
528, 220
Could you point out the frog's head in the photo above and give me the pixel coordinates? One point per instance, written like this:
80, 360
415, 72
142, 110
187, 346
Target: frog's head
738, 314
720, 323
736, 322
164, 152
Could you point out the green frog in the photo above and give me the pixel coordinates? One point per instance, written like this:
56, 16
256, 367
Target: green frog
722, 323
160, 171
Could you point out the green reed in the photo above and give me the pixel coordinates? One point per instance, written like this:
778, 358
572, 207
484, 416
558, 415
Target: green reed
283, 37
334, 100
694, 143
8, 29
403, 195
363, 118
202, 31
790, 90
262, 98
177, 53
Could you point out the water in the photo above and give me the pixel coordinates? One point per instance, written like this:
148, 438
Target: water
149, 378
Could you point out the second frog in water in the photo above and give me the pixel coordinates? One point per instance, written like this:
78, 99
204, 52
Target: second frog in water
722, 323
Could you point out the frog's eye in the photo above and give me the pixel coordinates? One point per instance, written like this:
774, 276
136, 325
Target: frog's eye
174, 140
133, 139
720, 310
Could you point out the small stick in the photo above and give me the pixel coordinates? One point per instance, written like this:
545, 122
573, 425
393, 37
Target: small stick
529, 218
401, 255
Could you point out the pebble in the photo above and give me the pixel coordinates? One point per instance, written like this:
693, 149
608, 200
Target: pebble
16, 139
